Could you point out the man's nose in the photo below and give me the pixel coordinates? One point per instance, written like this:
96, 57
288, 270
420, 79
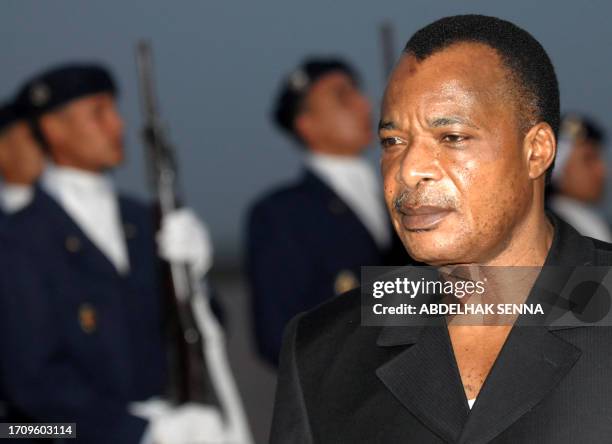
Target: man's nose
116, 123
419, 164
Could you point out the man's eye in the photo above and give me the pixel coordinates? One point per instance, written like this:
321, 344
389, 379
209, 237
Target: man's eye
453, 138
389, 142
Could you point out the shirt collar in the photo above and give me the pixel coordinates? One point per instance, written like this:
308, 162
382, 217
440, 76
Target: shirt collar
335, 170
60, 179
330, 161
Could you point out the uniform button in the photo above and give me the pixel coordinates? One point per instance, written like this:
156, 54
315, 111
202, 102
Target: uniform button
345, 281
88, 318
73, 244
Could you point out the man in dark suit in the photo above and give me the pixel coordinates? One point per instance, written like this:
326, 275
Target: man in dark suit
466, 149
81, 332
306, 241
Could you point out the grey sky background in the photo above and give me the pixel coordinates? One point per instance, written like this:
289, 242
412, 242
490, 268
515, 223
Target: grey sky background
219, 64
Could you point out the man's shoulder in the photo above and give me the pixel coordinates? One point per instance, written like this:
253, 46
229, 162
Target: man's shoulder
33, 219
306, 190
327, 326
131, 200
27, 230
287, 194
44, 219
572, 248
600, 245
602, 250
137, 212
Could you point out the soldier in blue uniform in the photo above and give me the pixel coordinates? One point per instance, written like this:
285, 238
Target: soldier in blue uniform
306, 241
21, 161
578, 181
80, 302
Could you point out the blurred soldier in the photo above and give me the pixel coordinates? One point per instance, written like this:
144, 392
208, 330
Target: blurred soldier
81, 293
307, 241
21, 161
579, 177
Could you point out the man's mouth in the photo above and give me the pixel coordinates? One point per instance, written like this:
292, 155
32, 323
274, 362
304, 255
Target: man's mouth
423, 218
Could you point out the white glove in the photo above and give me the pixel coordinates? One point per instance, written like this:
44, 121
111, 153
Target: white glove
149, 409
188, 424
183, 238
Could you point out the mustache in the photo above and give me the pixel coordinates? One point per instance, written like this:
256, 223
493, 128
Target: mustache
407, 198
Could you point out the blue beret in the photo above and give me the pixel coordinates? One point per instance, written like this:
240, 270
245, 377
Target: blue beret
59, 85
589, 128
297, 84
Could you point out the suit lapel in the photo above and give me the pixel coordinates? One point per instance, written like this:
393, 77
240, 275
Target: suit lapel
80, 249
533, 361
132, 235
531, 364
425, 378
335, 205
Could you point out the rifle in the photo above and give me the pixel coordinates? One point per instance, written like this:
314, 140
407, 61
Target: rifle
189, 379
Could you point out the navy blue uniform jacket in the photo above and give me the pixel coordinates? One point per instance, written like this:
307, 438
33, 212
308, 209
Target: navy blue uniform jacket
79, 341
304, 246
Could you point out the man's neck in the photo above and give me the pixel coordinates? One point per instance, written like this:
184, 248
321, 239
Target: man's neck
529, 243
71, 164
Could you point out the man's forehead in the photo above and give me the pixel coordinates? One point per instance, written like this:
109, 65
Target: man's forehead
461, 80
461, 67
332, 81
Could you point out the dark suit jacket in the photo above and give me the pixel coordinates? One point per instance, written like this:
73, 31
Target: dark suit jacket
79, 341
343, 383
304, 246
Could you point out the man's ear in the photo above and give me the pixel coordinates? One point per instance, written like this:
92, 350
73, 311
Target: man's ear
51, 128
305, 127
4, 149
539, 146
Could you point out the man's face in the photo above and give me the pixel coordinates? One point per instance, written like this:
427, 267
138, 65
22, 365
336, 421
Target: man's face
86, 134
584, 174
337, 117
456, 180
21, 160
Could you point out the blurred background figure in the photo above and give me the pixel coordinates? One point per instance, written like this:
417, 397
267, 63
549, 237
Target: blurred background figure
81, 298
21, 161
579, 176
307, 240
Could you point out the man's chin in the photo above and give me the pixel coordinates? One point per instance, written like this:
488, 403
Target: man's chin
111, 164
431, 248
